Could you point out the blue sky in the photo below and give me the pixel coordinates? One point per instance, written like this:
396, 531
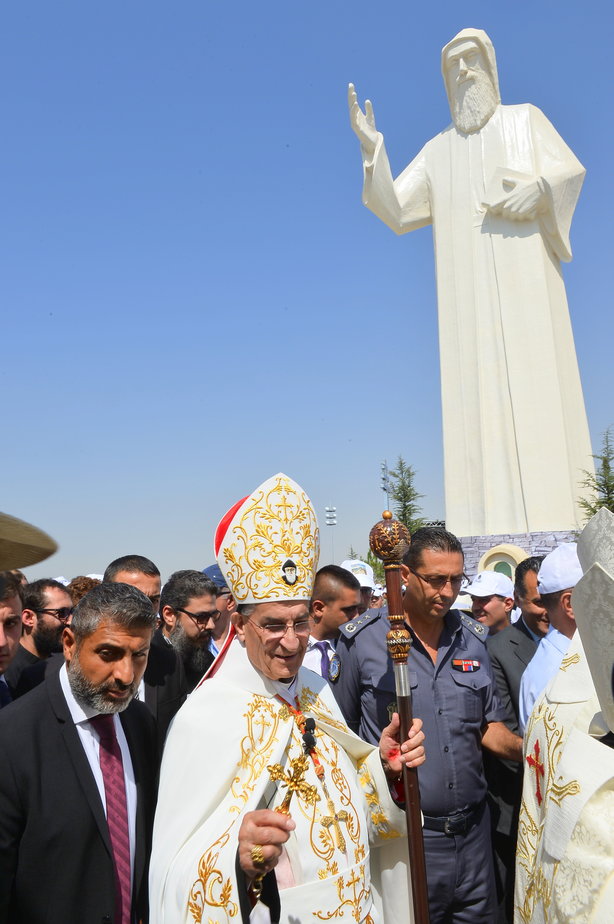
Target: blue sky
194, 297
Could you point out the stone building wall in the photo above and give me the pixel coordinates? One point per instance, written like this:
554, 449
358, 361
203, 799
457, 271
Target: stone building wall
533, 543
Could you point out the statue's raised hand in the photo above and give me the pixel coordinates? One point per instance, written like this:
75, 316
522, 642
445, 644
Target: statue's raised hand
363, 123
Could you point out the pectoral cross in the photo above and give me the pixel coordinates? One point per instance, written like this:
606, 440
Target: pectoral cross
294, 782
332, 821
535, 764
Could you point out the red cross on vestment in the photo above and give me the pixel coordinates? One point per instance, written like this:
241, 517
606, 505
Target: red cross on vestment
535, 764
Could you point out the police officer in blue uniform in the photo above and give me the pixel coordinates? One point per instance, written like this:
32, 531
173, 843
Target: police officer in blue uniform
454, 693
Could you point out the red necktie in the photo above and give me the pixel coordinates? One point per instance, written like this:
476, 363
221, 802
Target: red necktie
112, 768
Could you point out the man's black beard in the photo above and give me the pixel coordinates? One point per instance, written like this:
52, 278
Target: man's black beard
196, 658
94, 696
473, 102
47, 639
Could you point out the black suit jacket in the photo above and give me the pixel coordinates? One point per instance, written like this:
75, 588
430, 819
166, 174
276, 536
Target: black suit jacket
510, 651
55, 853
166, 686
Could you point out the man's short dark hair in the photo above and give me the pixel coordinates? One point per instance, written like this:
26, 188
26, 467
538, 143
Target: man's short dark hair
329, 582
182, 585
120, 604
33, 595
10, 585
430, 538
131, 563
528, 564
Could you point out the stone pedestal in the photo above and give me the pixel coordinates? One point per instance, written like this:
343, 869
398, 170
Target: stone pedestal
476, 547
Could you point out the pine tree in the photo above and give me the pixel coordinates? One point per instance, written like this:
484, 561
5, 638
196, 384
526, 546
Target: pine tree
405, 496
378, 567
601, 484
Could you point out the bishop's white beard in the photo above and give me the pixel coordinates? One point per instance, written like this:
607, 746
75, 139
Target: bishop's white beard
474, 102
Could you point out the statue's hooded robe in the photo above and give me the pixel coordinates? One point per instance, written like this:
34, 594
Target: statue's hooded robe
515, 432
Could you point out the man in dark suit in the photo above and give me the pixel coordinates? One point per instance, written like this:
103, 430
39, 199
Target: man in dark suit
10, 627
78, 774
164, 687
510, 651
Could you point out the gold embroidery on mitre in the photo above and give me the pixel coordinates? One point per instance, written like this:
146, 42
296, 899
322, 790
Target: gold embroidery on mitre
275, 527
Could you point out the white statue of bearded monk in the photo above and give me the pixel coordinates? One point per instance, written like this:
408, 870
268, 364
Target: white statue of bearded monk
499, 186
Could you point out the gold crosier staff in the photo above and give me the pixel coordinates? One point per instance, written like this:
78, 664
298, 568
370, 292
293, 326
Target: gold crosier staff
389, 540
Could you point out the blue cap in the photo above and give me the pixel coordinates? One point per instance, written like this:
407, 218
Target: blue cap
214, 573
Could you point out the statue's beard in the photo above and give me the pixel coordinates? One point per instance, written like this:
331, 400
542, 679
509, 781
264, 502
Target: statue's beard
473, 103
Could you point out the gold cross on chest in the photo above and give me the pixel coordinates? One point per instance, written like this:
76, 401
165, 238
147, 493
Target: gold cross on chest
535, 764
332, 821
294, 782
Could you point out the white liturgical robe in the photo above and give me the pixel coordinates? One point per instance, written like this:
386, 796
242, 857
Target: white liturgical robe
511, 394
347, 844
565, 851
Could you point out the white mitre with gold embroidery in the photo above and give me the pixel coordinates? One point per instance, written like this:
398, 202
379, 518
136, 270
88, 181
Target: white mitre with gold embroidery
268, 544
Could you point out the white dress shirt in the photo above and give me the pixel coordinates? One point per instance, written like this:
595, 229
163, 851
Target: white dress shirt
313, 655
91, 745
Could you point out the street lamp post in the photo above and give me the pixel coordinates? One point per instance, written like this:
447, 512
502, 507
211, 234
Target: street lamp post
331, 520
385, 483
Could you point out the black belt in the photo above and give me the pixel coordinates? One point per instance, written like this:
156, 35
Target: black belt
459, 823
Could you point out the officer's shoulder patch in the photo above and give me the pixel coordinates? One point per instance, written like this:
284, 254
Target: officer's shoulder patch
334, 668
351, 629
480, 631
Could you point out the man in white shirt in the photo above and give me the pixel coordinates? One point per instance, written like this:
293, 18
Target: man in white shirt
336, 599
77, 779
559, 573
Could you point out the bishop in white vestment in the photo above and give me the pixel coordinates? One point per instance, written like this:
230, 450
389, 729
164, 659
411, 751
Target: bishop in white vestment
263, 732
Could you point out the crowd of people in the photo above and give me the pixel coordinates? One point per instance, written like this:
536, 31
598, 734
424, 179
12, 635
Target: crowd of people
226, 745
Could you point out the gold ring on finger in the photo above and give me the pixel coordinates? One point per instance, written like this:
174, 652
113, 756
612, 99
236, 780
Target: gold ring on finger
257, 855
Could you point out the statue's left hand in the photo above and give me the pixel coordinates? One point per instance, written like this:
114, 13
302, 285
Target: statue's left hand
521, 204
411, 752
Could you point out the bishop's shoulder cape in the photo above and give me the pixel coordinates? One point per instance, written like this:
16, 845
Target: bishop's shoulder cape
214, 770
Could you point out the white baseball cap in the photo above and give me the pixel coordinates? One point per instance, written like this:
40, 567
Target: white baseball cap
560, 569
487, 583
361, 570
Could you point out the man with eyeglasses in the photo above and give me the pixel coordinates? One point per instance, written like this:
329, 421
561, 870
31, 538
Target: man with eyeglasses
47, 608
454, 693
269, 808
189, 614
163, 686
